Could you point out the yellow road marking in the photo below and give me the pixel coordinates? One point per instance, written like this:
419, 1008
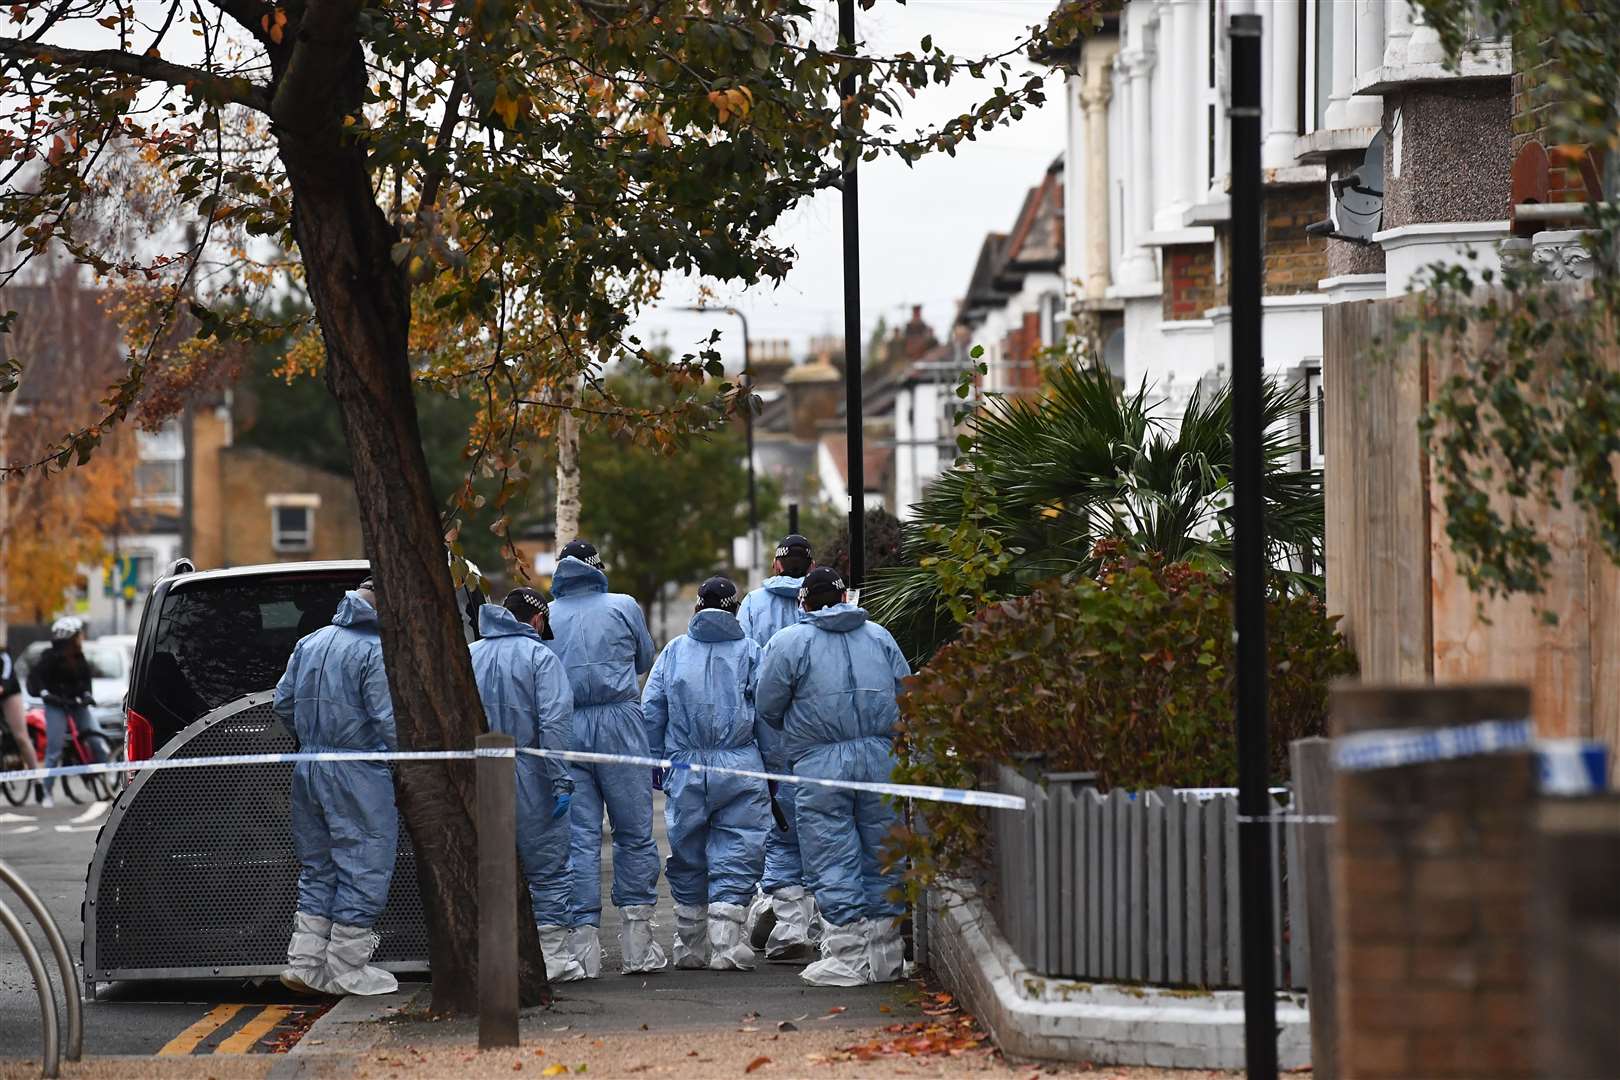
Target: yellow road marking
254, 1030
189, 1039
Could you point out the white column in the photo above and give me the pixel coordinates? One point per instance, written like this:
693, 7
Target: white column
1097, 89
1423, 47
1344, 62
1138, 266
1364, 110
1217, 181
1282, 98
1186, 79
1397, 31
1163, 106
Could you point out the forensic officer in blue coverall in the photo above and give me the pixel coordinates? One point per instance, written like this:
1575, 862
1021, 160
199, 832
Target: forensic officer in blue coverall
699, 703
602, 640
831, 683
783, 922
526, 695
345, 828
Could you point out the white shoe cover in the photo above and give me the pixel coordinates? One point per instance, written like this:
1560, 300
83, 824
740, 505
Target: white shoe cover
691, 936
728, 945
585, 946
843, 957
561, 963
885, 949
348, 968
638, 951
306, 952
795, 917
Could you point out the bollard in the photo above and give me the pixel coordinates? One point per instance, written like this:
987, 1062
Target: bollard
497, 894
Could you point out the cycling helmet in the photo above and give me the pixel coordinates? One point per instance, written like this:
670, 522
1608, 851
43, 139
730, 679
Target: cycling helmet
66, 628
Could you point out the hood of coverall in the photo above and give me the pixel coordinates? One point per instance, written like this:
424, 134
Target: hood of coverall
495, 621
782, 585
712, 624
353, 611
838, 618
573, 577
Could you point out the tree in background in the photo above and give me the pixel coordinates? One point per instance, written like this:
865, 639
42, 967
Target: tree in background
539, 164
55, 520
664, 511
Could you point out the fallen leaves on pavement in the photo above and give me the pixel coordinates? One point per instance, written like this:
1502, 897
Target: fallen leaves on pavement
924, 1038
758, 1063
941, 1004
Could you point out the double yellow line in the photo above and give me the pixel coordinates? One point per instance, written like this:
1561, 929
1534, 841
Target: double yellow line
241, 1042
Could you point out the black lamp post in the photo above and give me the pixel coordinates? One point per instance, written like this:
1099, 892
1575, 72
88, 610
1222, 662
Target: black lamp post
1249, 514
748, 433
852, 309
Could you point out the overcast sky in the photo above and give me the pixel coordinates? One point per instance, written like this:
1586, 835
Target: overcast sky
920, 227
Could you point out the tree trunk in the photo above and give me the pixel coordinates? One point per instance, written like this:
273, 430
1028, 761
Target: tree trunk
567, 465
363, 305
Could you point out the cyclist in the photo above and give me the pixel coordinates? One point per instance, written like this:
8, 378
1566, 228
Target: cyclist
14, 711
62, 678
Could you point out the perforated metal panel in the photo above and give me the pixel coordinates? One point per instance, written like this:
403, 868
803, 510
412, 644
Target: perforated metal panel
194, 874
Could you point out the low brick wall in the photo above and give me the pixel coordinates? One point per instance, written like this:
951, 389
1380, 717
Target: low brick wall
1034, 1017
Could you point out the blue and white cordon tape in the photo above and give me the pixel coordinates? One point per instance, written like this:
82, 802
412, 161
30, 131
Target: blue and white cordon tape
1394, 748
960, 796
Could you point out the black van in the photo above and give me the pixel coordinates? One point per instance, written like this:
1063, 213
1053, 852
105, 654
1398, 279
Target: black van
209, 637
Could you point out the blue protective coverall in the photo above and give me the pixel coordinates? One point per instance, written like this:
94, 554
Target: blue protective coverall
699, 703
344, 825
526, 695
831, 683
764, 611
602, 640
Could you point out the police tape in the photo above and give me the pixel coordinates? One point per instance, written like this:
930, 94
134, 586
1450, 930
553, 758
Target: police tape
960, 796
1393, 748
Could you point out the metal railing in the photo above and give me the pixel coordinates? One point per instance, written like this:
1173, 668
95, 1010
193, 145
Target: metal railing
57, 1042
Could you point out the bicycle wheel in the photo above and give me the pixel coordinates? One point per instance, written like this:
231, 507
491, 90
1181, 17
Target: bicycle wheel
105, 786
15, 792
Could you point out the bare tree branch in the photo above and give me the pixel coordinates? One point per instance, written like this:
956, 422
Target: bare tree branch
237, 91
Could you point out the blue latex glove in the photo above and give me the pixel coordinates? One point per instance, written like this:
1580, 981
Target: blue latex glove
658, 779
559, 805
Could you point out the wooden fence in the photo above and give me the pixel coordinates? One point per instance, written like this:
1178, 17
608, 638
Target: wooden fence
1136, 886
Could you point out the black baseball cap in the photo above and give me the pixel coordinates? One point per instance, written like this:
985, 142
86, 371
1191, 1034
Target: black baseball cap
584, 551
720, 593
821, 584
526, 603
793, 544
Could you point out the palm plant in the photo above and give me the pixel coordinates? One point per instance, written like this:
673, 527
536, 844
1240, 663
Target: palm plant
1043, 481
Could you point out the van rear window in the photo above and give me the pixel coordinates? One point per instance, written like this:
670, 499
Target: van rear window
218, 641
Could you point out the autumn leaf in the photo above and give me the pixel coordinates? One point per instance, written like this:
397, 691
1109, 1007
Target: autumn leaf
273, 25
758, 1063
505, 106
554, 1070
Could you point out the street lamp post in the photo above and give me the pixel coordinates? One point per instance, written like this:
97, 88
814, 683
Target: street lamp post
748, 434
1253, 751
852, 310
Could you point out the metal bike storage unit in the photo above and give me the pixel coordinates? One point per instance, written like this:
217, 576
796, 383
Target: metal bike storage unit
194, 874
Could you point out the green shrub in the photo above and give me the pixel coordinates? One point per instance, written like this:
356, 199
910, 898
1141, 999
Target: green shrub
1128, 676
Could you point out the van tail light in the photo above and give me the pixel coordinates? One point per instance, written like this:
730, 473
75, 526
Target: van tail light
137, 737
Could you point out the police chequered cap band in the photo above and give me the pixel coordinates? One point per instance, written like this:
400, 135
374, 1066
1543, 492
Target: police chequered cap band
526, 603
719, 593
818, 586
791, 545
582, 550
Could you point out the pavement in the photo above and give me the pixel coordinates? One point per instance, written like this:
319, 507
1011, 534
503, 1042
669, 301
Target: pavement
671, 1023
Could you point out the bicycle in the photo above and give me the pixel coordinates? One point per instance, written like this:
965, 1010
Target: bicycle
77, 749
